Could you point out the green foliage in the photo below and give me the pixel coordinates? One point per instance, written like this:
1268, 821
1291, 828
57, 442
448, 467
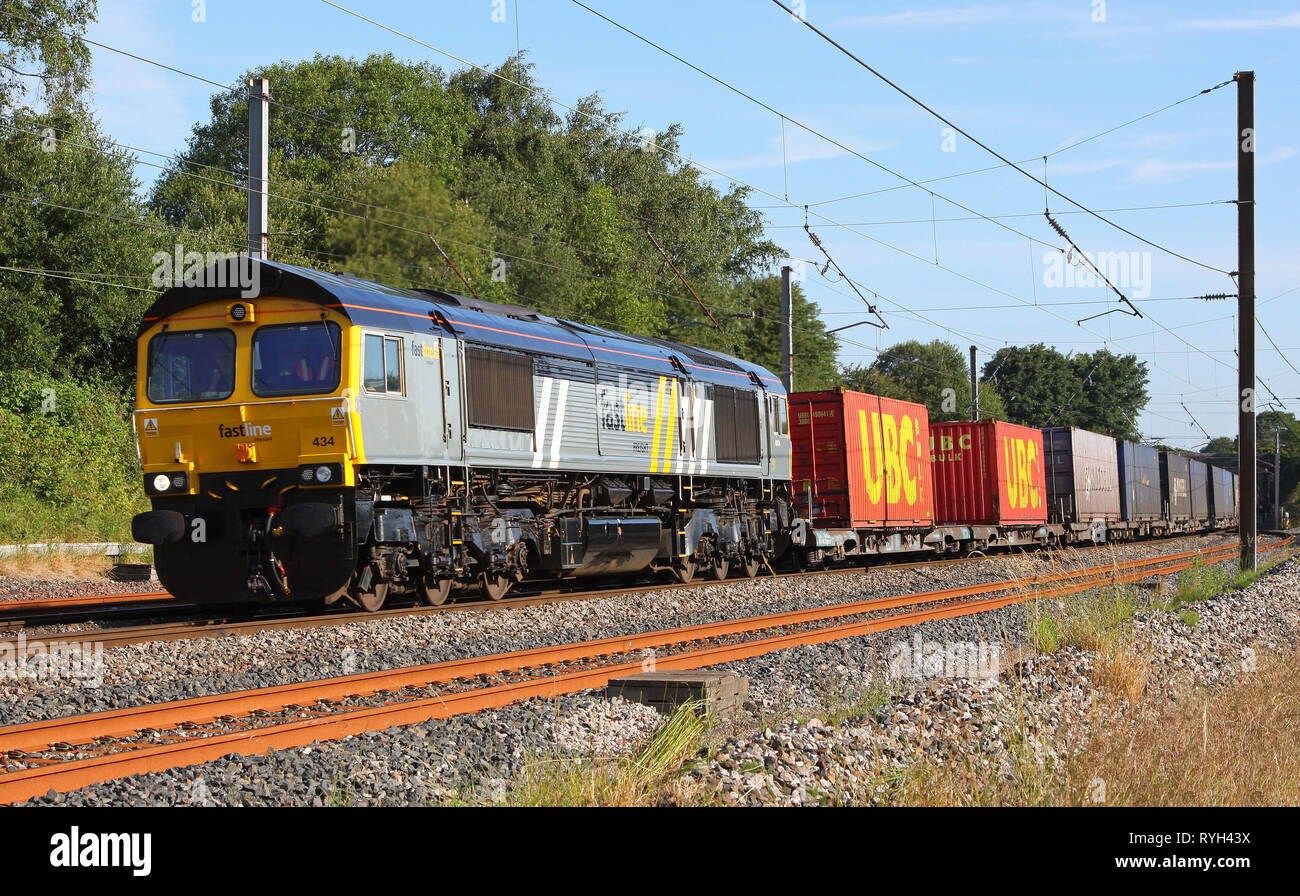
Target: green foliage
759, 339
52, 322
1197, 584
494, 173
1092, 620
67, 460
1044, 631
1221, 445
1101, 391
42, 56
934, 373
1287, 428
391, 242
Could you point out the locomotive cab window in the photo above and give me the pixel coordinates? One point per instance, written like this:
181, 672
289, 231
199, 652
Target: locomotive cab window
383, 365
197, 365
296, 359
779, 417
500, 387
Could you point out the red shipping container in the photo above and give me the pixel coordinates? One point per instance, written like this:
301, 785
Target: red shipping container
988, 473
864, 457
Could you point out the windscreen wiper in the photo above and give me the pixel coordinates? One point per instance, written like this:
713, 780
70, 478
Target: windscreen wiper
153, 364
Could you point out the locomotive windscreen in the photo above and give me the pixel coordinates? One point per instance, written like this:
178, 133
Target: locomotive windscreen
500, 387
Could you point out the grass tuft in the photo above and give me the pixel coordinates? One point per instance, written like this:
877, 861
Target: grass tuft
650, 777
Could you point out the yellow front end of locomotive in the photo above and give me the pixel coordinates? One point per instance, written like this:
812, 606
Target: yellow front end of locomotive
246, 386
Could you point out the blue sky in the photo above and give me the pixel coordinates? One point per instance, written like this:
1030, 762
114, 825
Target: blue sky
1024, 78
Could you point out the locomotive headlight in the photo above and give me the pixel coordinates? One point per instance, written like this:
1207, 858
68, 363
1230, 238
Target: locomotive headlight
321, 474
173, 483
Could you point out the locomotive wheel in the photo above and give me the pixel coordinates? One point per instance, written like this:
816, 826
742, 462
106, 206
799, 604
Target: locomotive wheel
720, 568
684, 571
370, 601
750, 566
495, 586
434, 595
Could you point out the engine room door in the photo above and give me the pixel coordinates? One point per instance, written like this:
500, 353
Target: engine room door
449, 393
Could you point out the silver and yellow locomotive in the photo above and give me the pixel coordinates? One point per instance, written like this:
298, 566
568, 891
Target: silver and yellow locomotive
311, 436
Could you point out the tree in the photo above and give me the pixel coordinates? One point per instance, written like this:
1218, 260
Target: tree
42, 55
931, 373
1110, 392
69, 208
1101, 391
389, 245
1034, 382
759, 339
564, 204
1221, 445
1287, 428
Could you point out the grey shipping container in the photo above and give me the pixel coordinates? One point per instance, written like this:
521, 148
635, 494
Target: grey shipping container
1223, 495
1082, 475
1199, 487
1139, 482
1175, 485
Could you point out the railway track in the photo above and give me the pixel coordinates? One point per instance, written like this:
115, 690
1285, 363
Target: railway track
17, 614
73, 752
223, 625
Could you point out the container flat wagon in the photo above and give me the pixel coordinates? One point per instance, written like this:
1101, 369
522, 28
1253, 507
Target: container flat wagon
1141, 506
1082, 482
1223, 498
990, 483
1198, 486
860, 471
1176, 489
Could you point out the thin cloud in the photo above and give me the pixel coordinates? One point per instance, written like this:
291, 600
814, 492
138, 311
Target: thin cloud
1160, 171
931, 18
800, 147
1291, 20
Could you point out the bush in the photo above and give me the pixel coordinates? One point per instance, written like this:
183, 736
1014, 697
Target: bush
68, 467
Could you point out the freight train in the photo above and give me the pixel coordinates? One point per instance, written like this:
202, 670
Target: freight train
317, 437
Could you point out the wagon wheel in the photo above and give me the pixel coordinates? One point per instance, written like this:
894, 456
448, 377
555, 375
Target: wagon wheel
750, 566
370, 601
684, 571
435, 594
495, 585
719, 568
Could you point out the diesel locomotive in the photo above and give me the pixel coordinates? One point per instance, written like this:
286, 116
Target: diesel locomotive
312, 436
